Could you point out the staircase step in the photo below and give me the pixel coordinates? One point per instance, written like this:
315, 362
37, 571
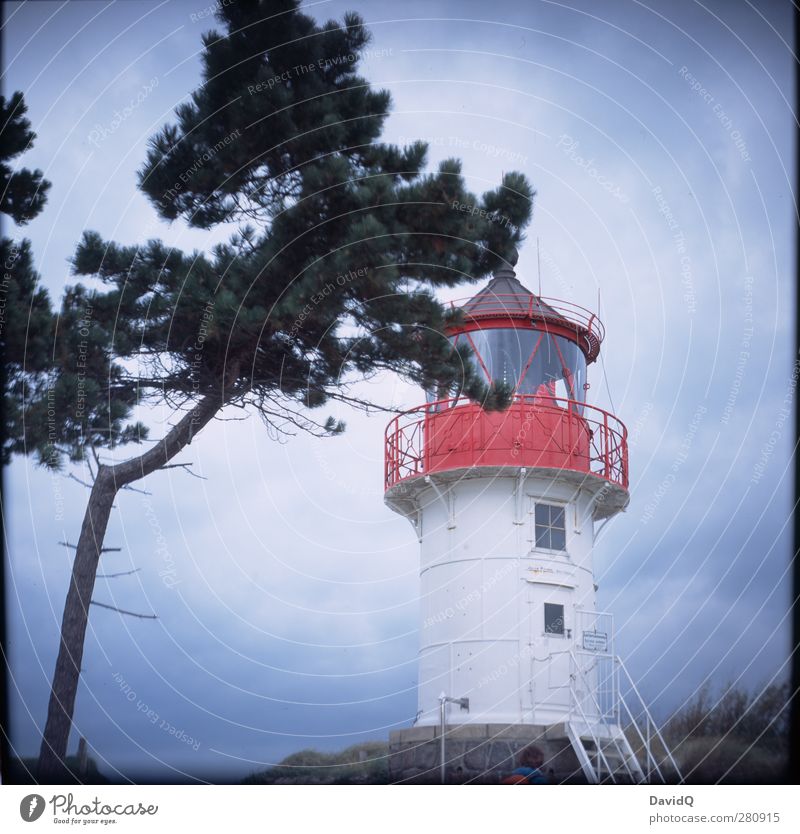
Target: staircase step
606, 758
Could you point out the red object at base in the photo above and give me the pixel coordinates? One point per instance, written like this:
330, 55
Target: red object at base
515, 780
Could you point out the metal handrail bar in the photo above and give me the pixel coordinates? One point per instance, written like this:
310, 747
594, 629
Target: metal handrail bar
655, 726
645, 745
534, 399
602, 718
594, 738
405, 442
509, 304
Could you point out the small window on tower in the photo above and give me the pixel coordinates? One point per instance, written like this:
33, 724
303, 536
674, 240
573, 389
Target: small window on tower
553, 618
549, 527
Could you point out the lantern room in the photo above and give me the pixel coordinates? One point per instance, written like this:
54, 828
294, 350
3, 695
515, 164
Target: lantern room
536, 348
540, 349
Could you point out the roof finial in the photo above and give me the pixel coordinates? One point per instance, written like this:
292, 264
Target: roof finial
506, 269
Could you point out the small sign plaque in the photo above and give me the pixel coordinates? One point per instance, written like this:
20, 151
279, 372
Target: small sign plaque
595, 641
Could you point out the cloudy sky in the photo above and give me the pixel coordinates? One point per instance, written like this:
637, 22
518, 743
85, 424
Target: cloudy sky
659, 138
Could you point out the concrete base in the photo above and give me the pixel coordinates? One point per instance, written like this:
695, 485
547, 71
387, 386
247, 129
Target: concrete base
479, 753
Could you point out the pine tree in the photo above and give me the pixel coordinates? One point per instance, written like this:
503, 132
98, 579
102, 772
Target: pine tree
26, 321
342, 242
24, 192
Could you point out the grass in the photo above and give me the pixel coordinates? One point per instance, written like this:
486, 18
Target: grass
365, 763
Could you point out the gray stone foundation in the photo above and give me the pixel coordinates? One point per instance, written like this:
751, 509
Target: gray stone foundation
479, 753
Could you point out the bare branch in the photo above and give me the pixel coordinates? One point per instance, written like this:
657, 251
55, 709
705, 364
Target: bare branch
82, 483
280, 417
123, 611
135, 489
115, 575
365, 405
185, 467
177, 438
102, 550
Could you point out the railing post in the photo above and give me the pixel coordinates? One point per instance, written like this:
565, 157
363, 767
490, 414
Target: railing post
425, 430
422, 464
394, 474
570, 449
625, 463
442, 731
387, 464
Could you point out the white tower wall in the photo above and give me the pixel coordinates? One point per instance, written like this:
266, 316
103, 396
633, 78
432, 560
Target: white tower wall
484, 585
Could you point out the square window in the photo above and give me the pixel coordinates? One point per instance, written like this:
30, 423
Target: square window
549, 527
553, 618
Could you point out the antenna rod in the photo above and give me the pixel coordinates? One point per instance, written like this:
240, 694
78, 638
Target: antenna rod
539, 263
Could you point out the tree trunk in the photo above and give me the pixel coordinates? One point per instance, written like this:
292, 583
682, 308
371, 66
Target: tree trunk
73, 629
109, 480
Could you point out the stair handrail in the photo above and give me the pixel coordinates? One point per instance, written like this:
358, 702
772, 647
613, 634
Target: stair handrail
651, 759
664, 744
597, 744
603, 720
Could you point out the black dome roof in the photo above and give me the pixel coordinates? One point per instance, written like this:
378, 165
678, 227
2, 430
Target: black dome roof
504, 295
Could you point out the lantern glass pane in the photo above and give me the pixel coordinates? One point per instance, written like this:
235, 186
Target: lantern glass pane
531, 362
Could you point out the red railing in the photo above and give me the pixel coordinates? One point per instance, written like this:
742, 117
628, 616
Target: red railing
532, 306
533, 432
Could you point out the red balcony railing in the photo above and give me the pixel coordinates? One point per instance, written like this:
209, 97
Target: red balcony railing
550, 311
498, 304
533, 432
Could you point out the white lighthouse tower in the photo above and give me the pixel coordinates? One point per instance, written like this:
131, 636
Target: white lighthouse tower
505, 504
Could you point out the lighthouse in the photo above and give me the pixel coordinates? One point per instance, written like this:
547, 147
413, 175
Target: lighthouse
506, 506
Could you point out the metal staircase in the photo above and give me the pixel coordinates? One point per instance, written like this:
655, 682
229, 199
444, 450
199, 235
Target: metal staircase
605, 759
602, 720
